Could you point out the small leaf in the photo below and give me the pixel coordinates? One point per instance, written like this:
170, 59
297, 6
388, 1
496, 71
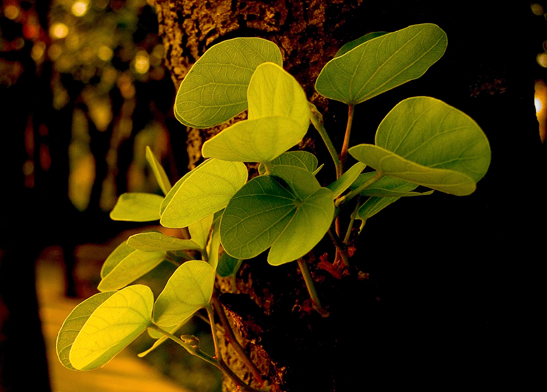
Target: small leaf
427, 142
339, 186
199, 231
382, 63
159, 172
387, 187
213, 247
137, 207
206, 190
215, 89
154, 241
374, 205
126, 264
302, 159
73, 324
290, 215
189, 289
228, 265
356, 42
114, 324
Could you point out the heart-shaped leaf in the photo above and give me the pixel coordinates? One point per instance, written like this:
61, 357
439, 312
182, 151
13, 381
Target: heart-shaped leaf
73, 324
427, 142
137, 207
126, 264
279, 116
215, 89
290, 215
189, 289
382, 63
159, 172
114, 324
204, 191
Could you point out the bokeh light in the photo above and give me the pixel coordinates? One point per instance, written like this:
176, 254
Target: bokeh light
58, 30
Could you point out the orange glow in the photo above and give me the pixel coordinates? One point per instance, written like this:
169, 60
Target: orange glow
540, 101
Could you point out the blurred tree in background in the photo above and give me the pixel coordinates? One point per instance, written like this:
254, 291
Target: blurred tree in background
82, 91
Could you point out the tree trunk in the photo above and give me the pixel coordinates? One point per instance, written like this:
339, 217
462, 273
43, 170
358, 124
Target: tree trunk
448, 285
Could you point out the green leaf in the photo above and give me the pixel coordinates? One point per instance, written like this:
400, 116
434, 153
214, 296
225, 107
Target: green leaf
199, 231
206, 190
374, 205
154, 241
213, 247
382, 63
275, 92
73, 324
387, 187
126, 264
137, 207
215, 89
189, 289
339, 186
159, 172
427, 142
228, 265
114, 324
290, 215
356, 42
279, 117
258, 140
303, 159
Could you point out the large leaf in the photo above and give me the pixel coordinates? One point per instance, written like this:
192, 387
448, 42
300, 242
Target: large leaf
114, 324
279, 116
188, 290
290, 214
159, 172
382, 63
73, 324
137, 207
204, 191
215, 89
126, 264
427, 142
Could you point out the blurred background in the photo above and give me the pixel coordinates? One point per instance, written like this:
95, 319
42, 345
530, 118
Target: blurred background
83, 91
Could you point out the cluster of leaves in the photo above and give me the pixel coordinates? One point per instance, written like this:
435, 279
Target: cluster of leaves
420, 142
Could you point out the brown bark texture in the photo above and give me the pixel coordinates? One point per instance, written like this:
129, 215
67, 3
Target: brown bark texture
446, 286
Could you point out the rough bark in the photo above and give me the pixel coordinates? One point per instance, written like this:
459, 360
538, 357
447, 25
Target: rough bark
441, 293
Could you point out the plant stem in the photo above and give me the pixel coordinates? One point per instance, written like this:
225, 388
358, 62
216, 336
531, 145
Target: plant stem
341, 249
311, 287
211, 315
191, 349
345, 146
267, 167
233, 340
351, 221
317, 120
